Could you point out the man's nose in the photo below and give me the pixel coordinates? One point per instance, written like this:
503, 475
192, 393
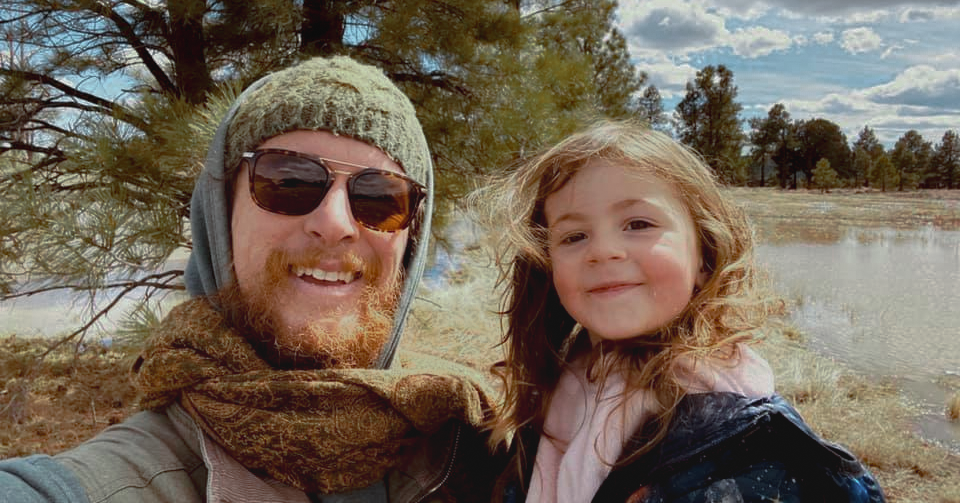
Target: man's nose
332, 221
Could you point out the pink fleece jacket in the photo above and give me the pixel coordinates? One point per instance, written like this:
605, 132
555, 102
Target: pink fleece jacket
587, 427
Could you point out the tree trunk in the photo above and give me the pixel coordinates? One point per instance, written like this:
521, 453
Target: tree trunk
187, 43
323, 27
763, 169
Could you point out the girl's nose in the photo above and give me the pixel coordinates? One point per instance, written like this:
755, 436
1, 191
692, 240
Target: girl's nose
604, 248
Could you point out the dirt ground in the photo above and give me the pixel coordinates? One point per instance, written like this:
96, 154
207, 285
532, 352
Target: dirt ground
71, 395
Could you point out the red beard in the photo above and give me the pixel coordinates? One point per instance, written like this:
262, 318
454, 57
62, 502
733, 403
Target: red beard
355, 345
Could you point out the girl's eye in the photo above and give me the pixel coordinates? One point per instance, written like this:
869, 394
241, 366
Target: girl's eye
638, 224
572, 238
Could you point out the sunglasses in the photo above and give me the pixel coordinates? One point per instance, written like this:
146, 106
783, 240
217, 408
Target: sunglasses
294, 183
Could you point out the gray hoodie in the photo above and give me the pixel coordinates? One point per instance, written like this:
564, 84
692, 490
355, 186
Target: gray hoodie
210, 265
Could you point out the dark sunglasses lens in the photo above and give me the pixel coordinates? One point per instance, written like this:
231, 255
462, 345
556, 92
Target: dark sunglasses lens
382, 201
288, 184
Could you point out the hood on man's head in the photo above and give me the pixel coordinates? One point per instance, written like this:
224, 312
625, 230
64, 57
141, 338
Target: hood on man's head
335, 94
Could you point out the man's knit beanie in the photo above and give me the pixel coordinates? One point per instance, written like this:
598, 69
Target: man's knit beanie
338, 95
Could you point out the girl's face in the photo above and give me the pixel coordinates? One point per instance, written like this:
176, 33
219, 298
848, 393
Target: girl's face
623, 249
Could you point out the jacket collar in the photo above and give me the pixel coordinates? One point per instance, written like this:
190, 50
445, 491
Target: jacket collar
704, 421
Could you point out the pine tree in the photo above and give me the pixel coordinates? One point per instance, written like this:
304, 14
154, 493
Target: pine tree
584, 33
708, 121
769, 134
824, 176
820, 138
884, 175
911, 156
650, 109
866, 153
944, 168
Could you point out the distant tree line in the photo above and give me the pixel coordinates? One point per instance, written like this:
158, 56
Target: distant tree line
790, 153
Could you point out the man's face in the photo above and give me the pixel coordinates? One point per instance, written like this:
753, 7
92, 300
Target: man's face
324, 285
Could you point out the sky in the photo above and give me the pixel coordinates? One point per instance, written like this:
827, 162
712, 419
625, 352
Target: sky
889, 64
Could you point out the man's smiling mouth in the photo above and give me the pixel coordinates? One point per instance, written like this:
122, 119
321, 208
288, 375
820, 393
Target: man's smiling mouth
340, 277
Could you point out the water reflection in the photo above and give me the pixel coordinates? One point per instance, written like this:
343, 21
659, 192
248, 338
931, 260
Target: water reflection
884, 301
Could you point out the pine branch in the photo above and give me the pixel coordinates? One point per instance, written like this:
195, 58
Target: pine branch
155, 281
436, 79
138, 45
550, 8
106, 105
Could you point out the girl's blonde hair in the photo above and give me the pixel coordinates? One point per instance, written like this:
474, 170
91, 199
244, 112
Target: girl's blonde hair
726, 310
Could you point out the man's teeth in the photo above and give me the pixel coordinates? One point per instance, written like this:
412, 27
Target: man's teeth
320, 274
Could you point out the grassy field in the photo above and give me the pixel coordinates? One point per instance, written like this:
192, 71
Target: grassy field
76, 394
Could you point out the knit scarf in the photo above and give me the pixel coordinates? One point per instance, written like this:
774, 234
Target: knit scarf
326, 431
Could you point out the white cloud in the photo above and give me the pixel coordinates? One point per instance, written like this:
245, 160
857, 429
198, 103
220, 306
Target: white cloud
739, 9
906, 44
758, 41
862, 17
833, 104
863, 39
928, 14
846, 7
890, 118
669, 78
887, 53
852, 111
823, 37
920, 85
655, 26
914, 15
945, 60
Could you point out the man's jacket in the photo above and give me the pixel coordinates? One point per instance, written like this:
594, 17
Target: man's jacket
162, 458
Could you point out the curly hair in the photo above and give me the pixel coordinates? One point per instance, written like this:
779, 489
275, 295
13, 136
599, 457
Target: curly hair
728, 309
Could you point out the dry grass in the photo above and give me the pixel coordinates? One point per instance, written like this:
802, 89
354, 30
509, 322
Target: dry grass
460, 320
953, 407
869, 418
73, 395
808, 216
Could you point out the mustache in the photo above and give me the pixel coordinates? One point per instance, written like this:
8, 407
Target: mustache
279, 264
351, 261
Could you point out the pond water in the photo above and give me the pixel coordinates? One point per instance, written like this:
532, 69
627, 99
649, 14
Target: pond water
885, 302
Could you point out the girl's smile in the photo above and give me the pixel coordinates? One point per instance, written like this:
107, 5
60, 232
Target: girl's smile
611, 288
623, 249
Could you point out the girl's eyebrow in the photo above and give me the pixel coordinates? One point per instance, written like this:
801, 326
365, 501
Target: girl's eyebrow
619, 205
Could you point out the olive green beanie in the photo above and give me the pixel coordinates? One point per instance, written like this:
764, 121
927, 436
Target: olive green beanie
338, 95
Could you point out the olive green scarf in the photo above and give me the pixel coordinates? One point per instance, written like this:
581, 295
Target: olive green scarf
325, 431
